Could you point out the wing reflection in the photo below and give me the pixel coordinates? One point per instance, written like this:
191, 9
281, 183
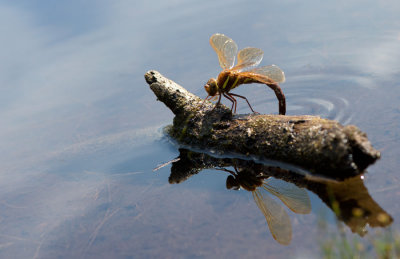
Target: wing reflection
261, 187
348, 199
277, 219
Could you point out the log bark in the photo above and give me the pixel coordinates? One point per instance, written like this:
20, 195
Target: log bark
319, 145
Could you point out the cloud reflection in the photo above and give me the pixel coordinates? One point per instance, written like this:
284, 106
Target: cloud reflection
383, 58
72, 99
56, 90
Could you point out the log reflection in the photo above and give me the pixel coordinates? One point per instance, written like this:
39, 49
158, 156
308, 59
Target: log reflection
348, 199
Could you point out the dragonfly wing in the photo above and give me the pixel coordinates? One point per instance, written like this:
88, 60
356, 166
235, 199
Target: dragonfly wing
295, 198
249, 57
277, 219
272, 71
226, 50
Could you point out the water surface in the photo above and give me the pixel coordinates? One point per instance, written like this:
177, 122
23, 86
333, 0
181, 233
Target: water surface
81, 132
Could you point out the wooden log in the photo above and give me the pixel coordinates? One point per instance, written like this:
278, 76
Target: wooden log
319, 145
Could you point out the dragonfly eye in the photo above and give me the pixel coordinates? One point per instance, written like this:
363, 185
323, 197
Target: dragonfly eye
211, 87
232, 183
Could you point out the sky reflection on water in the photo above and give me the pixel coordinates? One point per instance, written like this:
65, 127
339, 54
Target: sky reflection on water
81, 131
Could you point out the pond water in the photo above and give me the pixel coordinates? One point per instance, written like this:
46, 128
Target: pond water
81, 132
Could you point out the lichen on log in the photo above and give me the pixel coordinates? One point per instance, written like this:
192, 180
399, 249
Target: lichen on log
319, 145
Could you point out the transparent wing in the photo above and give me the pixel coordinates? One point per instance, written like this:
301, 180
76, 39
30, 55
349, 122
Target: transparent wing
226, 50
277, 219
249, 57
272, 71
295, 198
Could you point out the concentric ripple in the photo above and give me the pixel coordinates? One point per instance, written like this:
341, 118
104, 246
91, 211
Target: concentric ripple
330, 107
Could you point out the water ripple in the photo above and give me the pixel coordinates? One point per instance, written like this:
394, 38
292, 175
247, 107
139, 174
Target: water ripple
330, 107
311, 99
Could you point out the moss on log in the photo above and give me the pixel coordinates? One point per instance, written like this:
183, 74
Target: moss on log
319, 145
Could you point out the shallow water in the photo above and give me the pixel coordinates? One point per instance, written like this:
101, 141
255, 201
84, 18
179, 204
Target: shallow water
81, 132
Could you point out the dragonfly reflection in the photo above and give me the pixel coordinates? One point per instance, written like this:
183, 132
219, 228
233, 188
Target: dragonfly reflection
348, 199
261, 187
243, 73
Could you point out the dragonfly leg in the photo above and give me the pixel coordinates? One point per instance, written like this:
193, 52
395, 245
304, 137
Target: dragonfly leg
226, 170
219, 100
233, 100
205, 99
230, 94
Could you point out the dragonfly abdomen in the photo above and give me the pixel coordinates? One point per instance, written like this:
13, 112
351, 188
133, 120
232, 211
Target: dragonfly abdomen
227, 80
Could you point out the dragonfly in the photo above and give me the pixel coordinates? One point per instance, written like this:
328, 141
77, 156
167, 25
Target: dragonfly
261, 187
245, 72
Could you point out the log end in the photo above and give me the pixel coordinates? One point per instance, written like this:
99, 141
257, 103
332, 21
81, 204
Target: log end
175, 97
362, 151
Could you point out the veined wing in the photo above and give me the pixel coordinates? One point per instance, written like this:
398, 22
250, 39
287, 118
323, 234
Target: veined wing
226, 50
295, 198
248, 57
277, 219
272, 71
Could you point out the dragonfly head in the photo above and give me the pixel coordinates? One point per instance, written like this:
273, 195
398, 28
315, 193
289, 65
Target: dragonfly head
232, 183
211, 87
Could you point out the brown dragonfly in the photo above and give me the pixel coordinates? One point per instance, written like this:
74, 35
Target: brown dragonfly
243, 73
261, 187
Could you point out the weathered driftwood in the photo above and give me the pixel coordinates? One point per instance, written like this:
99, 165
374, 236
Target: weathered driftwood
319, 145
